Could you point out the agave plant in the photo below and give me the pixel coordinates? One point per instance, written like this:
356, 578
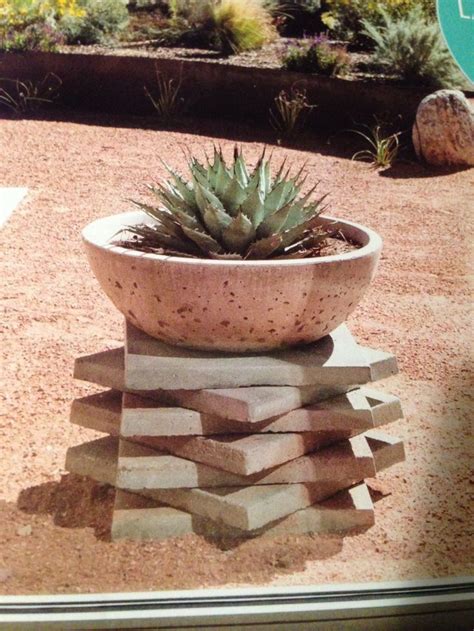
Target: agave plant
231, 211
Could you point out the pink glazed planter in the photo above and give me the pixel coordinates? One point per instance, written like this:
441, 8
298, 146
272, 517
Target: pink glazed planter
227, 305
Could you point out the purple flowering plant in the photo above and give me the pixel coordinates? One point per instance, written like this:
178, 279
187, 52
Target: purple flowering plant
316, 55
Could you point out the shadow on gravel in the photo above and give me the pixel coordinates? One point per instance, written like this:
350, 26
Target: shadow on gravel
73, 502
414, 170
323, 141
79, 502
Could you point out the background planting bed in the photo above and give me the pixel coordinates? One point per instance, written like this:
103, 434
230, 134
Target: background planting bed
115, 83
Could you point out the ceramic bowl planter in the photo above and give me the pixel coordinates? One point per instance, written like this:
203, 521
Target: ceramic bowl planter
230, 305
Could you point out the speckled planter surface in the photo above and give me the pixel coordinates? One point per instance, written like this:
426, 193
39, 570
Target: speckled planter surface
231, 305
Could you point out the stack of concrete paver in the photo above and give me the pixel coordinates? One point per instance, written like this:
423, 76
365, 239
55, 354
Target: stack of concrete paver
236, 446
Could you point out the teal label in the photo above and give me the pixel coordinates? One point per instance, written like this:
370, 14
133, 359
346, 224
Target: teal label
456, 18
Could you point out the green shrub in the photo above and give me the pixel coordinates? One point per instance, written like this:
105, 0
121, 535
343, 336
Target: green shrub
21, 13
102, 20
295, 18
412, 48
137, 5
345, 18
33, 24
306, 6
42, 24
194, 11
38, 36
317, 55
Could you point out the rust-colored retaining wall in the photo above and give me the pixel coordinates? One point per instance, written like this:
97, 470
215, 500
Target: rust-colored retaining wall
115, 84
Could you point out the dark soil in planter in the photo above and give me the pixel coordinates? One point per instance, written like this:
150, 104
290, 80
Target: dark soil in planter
338, 245
330, 247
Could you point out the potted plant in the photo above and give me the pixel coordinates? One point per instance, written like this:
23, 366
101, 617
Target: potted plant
233, 260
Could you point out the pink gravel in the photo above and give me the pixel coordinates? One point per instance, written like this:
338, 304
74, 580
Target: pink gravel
52, 529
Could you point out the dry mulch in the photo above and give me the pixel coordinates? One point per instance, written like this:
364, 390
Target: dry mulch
53, 528
269, 56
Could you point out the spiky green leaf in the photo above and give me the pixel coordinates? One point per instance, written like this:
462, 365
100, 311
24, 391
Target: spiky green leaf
300, 232
173, 201
199, 173
264, 248
233, 196
300, 211
253, 207
274, 223
218, 174
157, 237
239, 234
184, 188
204, 241
216, 221
240, 170
204, 197
277, 197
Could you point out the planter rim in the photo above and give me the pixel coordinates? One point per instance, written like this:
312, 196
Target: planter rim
373, 244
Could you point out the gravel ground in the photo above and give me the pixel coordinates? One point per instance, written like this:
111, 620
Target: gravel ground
53, 526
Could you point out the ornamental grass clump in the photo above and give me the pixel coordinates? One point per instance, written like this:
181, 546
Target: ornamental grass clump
240, 25
228, 26
22, 98
230, 211
289, 113
102, 21
166, 101
382, 149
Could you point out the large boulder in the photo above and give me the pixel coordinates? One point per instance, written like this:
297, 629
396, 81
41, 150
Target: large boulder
443, 133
